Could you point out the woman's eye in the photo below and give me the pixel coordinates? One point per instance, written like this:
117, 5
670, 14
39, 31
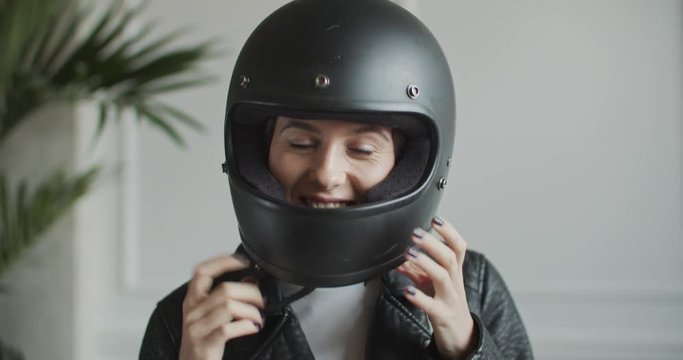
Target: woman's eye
301, 145
362, 151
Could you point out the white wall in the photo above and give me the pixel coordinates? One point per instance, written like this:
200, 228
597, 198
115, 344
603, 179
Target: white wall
567, 174
567, 169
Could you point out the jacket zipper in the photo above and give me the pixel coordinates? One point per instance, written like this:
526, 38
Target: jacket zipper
270, 338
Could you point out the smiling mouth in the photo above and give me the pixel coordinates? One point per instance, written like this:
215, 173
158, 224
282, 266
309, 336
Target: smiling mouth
317, 204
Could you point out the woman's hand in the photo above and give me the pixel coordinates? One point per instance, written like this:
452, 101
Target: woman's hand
435, 267
212, 317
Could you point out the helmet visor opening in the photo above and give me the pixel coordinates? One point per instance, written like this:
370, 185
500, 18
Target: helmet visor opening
251, 128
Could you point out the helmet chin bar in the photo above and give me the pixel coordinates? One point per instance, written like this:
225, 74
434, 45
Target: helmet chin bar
329, 247
313, 280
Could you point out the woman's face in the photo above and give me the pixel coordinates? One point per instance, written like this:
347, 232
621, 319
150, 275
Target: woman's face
329, 163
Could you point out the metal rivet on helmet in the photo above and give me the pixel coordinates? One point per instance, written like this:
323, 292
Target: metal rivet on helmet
413, 91
244, 81
322, 81
442, 183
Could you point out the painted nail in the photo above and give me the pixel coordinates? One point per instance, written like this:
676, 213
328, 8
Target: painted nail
418, 233
413, 251
437, 221
250, 280
409, 290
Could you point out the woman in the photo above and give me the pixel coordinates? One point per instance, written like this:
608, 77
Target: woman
339, 129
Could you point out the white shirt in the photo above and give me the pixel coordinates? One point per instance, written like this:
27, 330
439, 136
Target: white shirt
335, 320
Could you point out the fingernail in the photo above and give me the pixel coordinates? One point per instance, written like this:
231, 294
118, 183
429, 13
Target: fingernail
409, 290
437, 221
418, 233
413, 251
250, 280
258, 326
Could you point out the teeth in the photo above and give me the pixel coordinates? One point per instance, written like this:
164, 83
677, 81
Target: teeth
330, 205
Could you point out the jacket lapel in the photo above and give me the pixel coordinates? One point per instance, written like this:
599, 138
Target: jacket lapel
398, 329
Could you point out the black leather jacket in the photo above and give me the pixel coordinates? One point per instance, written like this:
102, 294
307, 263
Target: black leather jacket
397, 330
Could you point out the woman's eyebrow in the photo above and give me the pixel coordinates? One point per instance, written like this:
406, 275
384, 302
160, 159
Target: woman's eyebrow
372, 129
300, 125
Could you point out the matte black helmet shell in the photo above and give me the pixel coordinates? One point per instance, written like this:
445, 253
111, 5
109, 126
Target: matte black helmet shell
356, 60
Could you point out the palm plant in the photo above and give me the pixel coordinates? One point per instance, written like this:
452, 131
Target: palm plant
47, 55
7, 353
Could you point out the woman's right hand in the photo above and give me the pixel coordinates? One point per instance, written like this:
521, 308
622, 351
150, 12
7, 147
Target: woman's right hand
212, 317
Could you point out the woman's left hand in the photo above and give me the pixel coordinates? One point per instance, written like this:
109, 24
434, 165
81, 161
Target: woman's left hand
435, 266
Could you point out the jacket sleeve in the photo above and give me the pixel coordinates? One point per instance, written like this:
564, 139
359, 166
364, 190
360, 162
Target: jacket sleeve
501, 332
158, 343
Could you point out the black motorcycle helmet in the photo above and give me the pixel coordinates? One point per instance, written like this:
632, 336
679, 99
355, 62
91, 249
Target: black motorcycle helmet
365, 61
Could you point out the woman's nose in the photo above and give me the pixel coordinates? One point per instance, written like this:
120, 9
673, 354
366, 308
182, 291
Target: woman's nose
328, 169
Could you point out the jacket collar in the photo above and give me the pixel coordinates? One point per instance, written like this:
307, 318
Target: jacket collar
396, 328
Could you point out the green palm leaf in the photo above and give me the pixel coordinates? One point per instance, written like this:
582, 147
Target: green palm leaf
44, 61
126, 71
7, 353
24, 217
